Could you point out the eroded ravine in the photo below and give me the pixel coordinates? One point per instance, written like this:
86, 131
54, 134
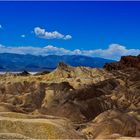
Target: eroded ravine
85, 103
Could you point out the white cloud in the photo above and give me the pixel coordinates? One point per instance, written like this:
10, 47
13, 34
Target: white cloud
23, 36
68, 37
114, 51
42, 33
0, 26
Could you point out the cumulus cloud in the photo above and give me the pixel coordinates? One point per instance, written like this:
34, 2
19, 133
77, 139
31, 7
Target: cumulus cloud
114, 51
67, 37
47, 50
23, 36
42, 33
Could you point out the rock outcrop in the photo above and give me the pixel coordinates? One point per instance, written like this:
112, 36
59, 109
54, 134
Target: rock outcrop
113, 124
98, 103
36, 127
124, 63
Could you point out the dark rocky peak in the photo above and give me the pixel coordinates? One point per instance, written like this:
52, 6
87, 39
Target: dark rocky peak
24, 73
125, 62
130, 60
63, 66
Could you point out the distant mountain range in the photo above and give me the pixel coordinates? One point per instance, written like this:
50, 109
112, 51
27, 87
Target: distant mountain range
20, 62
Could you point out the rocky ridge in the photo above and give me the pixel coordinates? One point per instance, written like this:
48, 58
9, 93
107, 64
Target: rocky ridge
124, 63
95, 103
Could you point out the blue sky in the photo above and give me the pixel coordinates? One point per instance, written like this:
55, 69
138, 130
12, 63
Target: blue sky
104, 29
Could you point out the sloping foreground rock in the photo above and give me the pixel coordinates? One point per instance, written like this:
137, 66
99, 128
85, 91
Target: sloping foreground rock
18, 125
13, 136
114, 124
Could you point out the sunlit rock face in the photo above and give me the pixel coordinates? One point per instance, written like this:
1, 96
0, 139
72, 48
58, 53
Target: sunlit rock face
17, 125
112, 122
92, 103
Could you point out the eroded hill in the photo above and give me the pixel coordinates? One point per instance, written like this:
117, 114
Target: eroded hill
88, 103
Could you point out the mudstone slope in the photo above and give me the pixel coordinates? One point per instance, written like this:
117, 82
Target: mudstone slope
73, 102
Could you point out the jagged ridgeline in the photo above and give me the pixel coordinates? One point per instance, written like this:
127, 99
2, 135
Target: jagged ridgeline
73, 102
